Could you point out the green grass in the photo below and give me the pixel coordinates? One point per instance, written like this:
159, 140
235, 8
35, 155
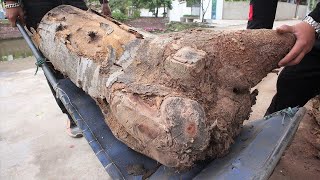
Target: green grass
178, 26
4, 21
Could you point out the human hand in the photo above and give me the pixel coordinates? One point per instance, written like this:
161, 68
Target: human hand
305, 35
14, 14
106, 9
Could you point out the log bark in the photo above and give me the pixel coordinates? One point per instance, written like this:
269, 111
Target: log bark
177, 98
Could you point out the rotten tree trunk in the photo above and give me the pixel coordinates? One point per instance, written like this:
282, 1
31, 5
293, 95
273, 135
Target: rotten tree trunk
177, 98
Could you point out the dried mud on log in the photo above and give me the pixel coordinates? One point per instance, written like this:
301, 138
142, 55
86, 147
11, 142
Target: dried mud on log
177, 98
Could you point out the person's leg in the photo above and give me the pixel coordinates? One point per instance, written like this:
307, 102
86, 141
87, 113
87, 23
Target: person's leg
35, 10
72, 128
262, 14
297, 84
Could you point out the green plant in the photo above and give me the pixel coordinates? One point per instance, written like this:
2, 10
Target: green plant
4, 21
178, 26
119, 16
136, 14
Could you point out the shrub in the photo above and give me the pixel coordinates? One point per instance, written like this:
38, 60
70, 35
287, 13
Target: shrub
136, 13
119, 16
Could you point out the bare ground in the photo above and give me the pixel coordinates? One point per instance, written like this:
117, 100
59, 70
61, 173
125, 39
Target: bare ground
301, 160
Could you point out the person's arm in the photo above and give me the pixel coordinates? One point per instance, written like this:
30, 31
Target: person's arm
105, 7
306, 32
14, 11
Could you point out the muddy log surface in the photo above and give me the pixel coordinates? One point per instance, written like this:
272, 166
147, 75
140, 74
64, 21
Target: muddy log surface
177, 98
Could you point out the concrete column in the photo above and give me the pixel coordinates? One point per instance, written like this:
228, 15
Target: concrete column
219, 10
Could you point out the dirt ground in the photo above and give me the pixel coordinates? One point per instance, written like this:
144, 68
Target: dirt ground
301, 160
33, 141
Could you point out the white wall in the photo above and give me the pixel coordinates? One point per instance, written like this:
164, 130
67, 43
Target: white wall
219, 9
178, 10
235, 10
195, 11
240, 11
302, 11
287, 11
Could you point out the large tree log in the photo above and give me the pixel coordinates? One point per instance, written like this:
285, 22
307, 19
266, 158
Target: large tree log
176, 98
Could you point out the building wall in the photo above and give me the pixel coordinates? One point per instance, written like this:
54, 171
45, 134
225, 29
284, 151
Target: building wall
287, 11
235, 10
219, 9
240, 11
195, 11
302, 11
178, 10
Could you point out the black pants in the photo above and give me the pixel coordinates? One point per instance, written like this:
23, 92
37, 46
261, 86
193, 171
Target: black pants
297, 84
35, 10
262, 14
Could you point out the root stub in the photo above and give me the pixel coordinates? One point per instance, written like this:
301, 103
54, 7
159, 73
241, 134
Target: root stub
177, 98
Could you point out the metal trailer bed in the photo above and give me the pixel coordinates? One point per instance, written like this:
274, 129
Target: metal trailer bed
254, 154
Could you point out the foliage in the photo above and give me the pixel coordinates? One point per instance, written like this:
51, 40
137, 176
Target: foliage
312, 4
118, 15
136, 13
178, 26
154, 5
4, 21
126, 6
120, 5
